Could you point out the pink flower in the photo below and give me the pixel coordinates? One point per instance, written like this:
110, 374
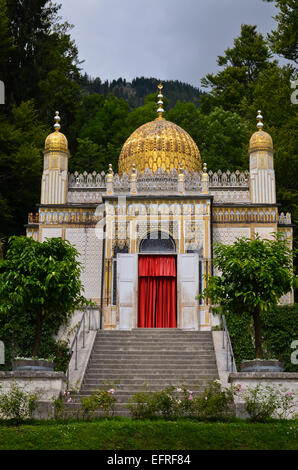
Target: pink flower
179, 390
69, 400
111, 391
206, 398
289, 394
190, 397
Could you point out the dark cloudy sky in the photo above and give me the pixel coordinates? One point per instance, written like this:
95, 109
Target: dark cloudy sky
166, 39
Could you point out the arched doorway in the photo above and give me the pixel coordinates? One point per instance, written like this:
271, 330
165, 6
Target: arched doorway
157, 281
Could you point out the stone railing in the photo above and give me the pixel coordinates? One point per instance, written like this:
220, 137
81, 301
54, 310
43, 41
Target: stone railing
284, 219
160, 180
65, 216
245, 215
87, 180
228, 179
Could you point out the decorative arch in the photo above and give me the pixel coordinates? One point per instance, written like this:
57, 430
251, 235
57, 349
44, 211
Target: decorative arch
157, 241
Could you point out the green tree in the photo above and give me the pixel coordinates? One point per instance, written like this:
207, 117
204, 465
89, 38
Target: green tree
21, 143
284, 40
221, 136
242, 64
5, 39
254, 275
43, 63
41, 282
102, 128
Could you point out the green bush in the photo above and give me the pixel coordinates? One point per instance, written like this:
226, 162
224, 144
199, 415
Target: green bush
265, 402
17, 404
279, 330
140, 405
101, 400
175, 402
215, 403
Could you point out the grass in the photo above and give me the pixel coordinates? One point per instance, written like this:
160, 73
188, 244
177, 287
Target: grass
129, 434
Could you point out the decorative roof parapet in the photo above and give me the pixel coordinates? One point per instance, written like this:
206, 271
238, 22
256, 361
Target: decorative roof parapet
234, 179
284, 219
160, 180
87, 180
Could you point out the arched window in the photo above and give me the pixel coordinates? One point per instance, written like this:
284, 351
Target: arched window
157, 242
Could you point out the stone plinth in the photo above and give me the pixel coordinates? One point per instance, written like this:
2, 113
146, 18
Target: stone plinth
48, 384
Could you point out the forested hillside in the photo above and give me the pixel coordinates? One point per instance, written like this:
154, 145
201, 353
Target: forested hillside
40, 66
136, 91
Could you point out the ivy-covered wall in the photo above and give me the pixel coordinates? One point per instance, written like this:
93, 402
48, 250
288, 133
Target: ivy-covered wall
280, 329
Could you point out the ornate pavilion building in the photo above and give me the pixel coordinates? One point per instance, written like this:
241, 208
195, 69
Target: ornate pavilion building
146, 235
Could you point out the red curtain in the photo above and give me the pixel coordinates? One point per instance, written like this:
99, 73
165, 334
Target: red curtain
157, 292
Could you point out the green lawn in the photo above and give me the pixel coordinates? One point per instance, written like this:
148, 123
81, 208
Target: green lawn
129, 434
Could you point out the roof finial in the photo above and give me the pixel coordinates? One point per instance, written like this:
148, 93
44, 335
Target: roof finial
57, 119
260, 124
160, 109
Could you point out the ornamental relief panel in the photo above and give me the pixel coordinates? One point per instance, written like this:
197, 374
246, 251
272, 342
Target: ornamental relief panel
194, 235
228, 235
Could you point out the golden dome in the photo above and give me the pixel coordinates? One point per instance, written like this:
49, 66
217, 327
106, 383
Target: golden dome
159, 144
260, 140
56, 141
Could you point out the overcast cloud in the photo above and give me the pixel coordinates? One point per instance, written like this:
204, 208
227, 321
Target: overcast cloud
166, 39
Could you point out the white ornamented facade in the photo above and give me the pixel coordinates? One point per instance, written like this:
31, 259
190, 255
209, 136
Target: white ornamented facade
160, 204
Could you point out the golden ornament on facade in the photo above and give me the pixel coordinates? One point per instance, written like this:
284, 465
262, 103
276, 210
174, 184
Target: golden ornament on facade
159, 144
56, 141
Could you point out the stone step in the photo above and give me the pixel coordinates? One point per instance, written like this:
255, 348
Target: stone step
152, 347
134, 383
147, 378
99, 361
126, 389
156, 358
180, 341
152, 359
136, 369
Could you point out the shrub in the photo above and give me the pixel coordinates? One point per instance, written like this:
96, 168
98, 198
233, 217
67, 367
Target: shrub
215, 402
140, 405
101, 400
174, 402
17, 404
60, 404
280, 328
265, 402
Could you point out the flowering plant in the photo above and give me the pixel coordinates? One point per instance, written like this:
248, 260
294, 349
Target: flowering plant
264, 402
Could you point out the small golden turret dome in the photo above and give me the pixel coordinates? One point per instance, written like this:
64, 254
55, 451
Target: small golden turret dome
56, 141
159, 144
260, 140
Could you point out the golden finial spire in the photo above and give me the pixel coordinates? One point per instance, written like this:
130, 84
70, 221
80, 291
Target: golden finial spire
260, 124
57, 119
160, 109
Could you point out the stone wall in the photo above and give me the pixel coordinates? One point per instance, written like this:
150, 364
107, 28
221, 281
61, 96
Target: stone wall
283, 381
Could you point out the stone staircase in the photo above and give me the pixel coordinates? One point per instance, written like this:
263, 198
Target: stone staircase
149, 357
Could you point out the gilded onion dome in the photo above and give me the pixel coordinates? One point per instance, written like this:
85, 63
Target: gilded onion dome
159, 144
260, 140
56, 141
